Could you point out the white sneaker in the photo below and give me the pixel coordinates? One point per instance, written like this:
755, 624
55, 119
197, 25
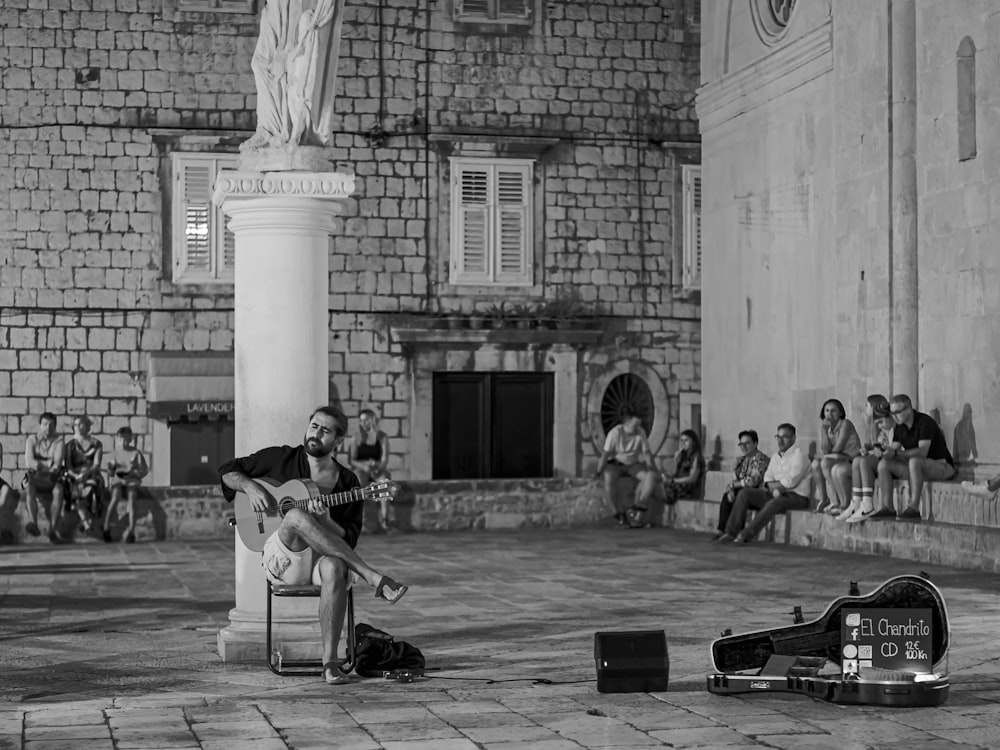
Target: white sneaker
849, 511
979, 490
859, 515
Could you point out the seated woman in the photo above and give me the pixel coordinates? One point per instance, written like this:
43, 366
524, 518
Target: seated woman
82, 461
865, 467
368, 456
839, 444
689, 468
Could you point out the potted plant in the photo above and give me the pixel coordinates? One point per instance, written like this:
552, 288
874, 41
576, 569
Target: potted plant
499, 315
476, 320
522, 315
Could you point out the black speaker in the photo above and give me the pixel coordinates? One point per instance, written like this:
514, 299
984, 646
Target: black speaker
633, 661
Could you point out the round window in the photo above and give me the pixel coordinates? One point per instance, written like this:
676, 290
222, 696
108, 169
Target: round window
627, 392
771, 17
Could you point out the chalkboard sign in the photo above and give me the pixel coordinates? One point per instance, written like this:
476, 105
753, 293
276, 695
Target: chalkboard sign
896, 639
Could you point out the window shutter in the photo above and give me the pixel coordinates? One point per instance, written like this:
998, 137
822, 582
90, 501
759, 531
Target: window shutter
473, 223
514, 10
194, 182
691, 278
512, 226
478, 8
204, 248
491, 234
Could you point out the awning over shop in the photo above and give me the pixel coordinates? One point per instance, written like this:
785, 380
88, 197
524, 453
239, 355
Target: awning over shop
190, 384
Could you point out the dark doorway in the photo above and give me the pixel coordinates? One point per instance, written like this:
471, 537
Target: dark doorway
492, 425
197, 449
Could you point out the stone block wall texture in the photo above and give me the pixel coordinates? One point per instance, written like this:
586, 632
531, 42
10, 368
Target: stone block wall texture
809, 315
96, 96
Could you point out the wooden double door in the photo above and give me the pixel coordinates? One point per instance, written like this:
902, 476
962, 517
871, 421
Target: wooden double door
492, 425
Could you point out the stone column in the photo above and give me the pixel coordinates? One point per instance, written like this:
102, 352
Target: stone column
905, 374
282, 222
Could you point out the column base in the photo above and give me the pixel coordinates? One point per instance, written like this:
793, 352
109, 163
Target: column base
245, 638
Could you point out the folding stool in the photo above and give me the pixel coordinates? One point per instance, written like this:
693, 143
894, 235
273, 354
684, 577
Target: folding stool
286, 667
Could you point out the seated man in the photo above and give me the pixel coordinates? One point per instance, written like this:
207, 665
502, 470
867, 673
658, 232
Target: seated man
624, 448
918, 452
43, 458
788, 485
314, 546
749, 471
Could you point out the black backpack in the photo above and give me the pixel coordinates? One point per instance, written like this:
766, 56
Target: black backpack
379, 652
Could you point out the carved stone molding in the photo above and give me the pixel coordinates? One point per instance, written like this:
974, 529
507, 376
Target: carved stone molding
786, 68
329, 185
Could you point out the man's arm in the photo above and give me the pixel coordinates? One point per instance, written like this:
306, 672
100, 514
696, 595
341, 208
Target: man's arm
921, 451
30, 463
605, 455
237, 480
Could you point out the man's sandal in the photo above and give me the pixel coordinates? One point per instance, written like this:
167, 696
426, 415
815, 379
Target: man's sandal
334, 675
390, 590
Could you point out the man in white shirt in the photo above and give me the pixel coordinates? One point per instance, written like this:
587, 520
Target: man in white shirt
787, 486
626, 453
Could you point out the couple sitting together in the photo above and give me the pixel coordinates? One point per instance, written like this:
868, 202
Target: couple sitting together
627, 453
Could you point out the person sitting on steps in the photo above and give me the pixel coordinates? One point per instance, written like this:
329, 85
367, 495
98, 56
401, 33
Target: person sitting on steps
43, 458
749, 471
126, 468
368, 455
918, 453
625, 447
689, 469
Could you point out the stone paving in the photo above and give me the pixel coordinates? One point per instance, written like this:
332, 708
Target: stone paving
113, 647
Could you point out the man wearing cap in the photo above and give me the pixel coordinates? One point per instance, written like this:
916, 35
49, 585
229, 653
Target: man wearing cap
918, 453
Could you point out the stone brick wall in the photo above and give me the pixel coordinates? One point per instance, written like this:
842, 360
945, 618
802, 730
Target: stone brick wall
93, 101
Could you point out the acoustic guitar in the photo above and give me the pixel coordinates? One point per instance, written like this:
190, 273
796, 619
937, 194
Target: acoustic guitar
255, 527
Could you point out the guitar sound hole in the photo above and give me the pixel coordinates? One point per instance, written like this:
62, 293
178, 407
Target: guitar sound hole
285, 505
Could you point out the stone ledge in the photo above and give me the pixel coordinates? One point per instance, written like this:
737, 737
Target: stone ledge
487, 505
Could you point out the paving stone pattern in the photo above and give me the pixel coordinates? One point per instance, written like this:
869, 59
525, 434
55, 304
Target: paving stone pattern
113, 647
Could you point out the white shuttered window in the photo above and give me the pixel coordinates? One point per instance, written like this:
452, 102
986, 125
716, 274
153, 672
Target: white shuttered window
691, 194
494, 11
203, 247
491, 230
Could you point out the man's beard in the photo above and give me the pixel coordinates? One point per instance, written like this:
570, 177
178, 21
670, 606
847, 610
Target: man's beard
315, 448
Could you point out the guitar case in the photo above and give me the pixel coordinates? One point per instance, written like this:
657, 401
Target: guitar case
805, 657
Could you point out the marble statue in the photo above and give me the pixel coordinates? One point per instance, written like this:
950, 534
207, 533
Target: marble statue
295, 69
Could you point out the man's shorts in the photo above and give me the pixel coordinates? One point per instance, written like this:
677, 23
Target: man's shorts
282, 565
635, 470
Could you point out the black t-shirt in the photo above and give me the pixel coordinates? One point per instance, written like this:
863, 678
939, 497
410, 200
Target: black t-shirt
924, 428
282, 463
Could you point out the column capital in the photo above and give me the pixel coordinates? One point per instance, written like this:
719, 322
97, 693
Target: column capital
320, 185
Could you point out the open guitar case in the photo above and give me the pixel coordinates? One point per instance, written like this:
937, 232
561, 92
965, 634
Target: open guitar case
805, 657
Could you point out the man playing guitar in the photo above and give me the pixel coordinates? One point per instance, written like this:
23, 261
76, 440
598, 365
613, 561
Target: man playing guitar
313, 546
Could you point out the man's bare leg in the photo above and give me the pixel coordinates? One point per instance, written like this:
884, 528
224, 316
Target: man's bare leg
300, 529
333, 574
31, 504
610, 476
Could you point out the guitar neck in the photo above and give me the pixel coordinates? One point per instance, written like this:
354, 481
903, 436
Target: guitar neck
331, 499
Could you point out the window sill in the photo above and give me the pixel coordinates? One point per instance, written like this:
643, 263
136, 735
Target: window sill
504, 336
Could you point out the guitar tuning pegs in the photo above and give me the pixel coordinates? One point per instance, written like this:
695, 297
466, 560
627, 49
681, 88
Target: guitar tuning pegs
797, 617
853, 589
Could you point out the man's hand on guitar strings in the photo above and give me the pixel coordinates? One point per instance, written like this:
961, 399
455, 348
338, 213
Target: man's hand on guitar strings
259, 499
316, 507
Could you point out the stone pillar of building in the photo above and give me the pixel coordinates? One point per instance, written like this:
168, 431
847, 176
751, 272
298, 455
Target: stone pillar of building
904, 377
282, 222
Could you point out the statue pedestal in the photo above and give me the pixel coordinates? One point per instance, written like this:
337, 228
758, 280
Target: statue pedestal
282, 222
